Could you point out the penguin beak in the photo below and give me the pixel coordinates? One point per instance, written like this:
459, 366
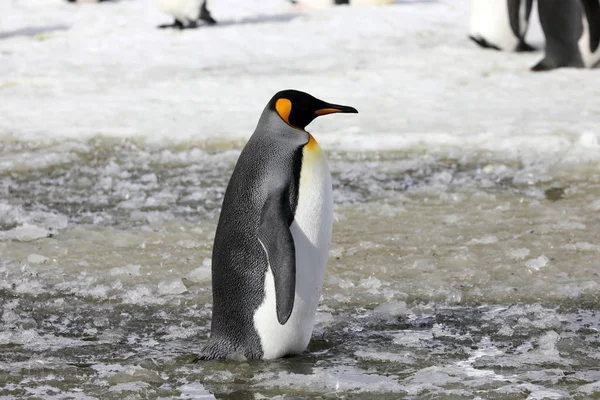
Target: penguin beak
335, 108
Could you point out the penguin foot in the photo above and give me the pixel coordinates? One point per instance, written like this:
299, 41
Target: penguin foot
524, 47
179, 25
542, 66
484, 43
175, 25
548, 65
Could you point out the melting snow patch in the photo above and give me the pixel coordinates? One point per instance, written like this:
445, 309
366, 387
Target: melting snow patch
377, 355
519, 254
172, 287
590, 389
392, 309
189, 244
487, 239
126, 270
37, 259
28, 233
128, 387
583, 246
537, 263
412, 338
548, 394
201, 274
141, 294
195, 390
341, 379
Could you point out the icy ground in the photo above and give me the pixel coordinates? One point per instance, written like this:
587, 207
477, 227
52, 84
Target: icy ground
465, 256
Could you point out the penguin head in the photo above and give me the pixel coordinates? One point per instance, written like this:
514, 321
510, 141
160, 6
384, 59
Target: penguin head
298, 109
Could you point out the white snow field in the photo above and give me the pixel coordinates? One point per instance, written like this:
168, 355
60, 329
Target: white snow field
465, 260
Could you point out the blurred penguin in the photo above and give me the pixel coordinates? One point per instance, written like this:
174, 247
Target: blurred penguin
500, 24
327, 3
572, 31
187, 13
87, 1
371, 2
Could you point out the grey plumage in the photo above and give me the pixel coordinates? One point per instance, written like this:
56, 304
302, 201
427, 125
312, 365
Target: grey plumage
239, 262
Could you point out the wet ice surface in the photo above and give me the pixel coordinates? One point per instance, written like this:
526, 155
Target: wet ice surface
444, 280
464, 261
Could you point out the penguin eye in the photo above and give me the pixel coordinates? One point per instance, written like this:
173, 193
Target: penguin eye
284, 108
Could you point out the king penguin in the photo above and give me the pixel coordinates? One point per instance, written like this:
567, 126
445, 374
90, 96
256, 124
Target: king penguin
186, 13
500, 24
273, 236
572, 31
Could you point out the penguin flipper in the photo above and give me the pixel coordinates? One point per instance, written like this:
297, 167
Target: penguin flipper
205, 15
276, 238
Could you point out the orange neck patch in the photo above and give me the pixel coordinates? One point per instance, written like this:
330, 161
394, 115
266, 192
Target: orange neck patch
312, 144
284, 108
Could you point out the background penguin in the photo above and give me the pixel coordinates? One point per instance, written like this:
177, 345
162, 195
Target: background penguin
572, 31
273, 236
186, 13
500, 24
326, 3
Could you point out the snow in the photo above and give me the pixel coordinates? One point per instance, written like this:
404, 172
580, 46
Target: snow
76, 71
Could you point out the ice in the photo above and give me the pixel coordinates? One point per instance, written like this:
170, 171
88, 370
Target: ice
519, 254
31, 340
403, 357
28, 233
583, 246
548, 394
195, 390
37, 259
130, 269
141, 294
391, 309
201, 274
171, 287
536, 264
135, 374
591, 389
189, 244
370, 283
487, 239
410, 338
332, 380
128, 387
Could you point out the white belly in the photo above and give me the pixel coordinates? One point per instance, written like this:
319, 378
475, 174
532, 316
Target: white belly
590, 60
311, 231
489, 20
185, 11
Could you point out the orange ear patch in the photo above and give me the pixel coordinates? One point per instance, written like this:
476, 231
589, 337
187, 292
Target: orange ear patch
284, 108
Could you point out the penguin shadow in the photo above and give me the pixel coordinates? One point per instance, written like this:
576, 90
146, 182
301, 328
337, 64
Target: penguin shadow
32, 31
258, 19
